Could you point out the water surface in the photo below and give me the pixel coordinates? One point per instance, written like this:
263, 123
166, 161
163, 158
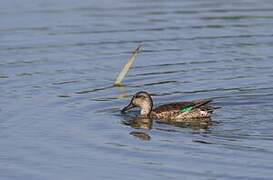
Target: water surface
60, 114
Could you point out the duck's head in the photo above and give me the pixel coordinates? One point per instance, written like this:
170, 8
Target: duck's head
142, 100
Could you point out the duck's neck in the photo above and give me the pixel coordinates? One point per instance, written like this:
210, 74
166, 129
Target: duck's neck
146, 110
146, 107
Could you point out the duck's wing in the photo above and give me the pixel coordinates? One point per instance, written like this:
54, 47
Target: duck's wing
182, 106
201, 102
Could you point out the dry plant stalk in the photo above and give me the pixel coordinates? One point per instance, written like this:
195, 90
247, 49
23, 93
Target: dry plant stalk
127, 66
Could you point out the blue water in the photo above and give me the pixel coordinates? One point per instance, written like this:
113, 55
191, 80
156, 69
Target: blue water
60, 115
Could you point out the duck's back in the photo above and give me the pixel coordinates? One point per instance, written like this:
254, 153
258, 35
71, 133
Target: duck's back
182, 111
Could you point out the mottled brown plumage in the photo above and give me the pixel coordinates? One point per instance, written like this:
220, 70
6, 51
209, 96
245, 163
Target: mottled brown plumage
172, 112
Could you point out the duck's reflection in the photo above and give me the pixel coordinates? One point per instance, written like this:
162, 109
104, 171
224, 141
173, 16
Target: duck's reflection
139, 122
140, 135
142, 124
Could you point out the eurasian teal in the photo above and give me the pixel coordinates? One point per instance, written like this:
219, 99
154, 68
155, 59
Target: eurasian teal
172, 112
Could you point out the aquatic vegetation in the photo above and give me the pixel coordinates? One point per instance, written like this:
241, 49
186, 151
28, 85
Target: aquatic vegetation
127, 66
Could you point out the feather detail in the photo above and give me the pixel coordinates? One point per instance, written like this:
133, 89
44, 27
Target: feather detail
186, 108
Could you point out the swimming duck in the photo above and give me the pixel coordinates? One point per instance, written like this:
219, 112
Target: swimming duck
172, 112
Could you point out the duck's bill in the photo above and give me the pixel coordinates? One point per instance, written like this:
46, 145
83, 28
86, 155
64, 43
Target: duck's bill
130, 106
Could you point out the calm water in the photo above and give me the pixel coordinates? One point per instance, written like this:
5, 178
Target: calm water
59, 114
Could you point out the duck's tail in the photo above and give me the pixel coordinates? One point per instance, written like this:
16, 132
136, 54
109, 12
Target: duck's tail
204, 105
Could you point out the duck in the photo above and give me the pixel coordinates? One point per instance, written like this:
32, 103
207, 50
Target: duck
171, 112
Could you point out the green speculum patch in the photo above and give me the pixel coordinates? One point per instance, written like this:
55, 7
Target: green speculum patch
186, 108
